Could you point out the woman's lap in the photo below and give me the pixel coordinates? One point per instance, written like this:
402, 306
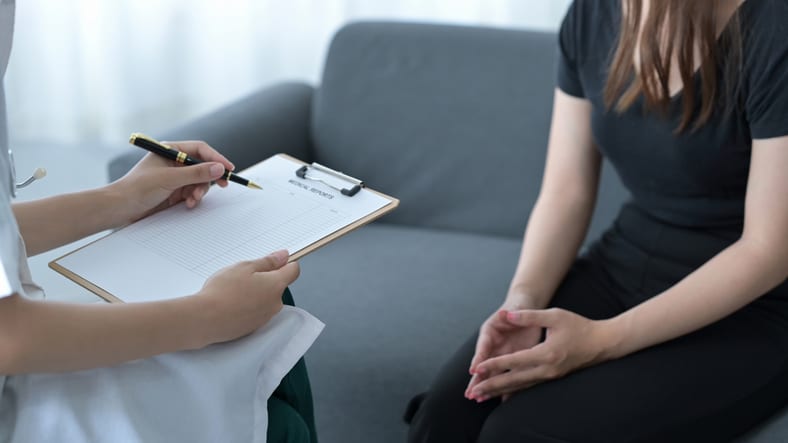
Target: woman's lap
707, 386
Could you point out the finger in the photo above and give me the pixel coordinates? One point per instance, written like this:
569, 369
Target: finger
471, 384
507, 383
177, 196
199, 191
483, 346
203, 151
516, 360
270, 262
189, 175
288, 273
544, 318
194, 196
500, 322
475, 381
184, 194
489, 373
280, 278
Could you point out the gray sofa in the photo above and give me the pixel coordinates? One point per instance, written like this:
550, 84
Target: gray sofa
451, 120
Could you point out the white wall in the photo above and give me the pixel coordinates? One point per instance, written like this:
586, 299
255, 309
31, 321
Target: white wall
100, 69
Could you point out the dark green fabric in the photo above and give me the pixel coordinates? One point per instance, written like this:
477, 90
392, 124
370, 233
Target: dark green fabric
291, 417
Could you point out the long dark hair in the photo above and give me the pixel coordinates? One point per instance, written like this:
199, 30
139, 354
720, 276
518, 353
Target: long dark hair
681, 28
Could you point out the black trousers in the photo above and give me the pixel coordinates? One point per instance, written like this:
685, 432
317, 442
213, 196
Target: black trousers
708, 386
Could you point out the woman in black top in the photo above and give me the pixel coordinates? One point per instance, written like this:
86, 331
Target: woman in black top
674, 325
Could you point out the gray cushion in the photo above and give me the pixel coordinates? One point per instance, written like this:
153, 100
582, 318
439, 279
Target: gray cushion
439, 116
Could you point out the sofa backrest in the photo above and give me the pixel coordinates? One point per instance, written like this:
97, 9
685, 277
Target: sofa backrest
452, 120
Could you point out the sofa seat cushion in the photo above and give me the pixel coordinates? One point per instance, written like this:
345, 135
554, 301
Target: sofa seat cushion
397, 301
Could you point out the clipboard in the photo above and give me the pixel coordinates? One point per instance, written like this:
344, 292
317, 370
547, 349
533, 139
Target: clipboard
302, 207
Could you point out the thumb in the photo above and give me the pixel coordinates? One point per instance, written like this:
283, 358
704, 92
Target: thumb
544, 318
270, 262
482, 351
288, 273
189, 175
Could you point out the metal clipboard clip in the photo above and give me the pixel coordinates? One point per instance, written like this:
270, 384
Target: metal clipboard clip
355, 184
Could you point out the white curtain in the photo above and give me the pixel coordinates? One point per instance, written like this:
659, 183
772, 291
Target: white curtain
96, 70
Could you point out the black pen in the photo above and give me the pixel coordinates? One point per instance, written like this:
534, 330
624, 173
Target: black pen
165, 151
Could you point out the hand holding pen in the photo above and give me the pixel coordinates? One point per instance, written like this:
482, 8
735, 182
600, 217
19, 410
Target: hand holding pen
168, 152
154, 183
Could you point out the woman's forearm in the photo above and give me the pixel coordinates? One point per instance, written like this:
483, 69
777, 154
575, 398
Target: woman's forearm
560, 218
735, 277
39, 336
51, 222
555, 231
53, 337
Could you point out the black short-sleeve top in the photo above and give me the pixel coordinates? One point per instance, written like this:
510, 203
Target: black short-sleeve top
695, 178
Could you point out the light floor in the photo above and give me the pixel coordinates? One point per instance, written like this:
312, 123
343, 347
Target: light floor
69, 169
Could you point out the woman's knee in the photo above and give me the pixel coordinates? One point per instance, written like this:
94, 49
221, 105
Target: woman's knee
429, 422
444, 414
499, 428
447, 416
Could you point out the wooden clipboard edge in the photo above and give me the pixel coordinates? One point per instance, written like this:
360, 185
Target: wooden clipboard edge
98, 290
107, 296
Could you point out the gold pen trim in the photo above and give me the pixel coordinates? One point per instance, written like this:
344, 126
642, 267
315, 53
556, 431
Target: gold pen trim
142, 136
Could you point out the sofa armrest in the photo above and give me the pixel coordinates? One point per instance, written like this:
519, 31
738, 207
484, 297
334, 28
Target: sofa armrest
273, 120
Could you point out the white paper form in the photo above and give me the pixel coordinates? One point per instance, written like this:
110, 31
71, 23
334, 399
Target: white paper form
171, 253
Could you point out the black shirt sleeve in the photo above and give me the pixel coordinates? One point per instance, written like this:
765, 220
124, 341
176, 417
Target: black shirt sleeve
765, 70
568, 75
